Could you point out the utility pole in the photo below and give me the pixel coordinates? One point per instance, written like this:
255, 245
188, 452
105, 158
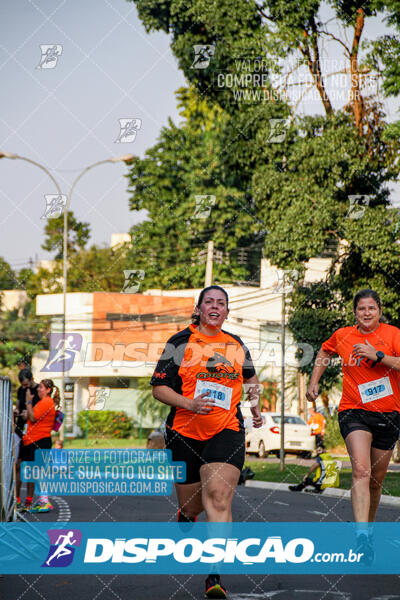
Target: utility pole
209, 264
282, 457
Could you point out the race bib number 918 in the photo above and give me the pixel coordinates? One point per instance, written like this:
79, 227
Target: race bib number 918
221, 394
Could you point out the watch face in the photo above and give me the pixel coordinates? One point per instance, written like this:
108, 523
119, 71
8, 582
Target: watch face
379, 355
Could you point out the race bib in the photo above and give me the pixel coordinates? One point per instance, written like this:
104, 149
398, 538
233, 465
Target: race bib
374, 390
221, 394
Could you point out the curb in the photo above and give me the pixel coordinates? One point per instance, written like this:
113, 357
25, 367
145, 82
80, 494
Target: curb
331, 493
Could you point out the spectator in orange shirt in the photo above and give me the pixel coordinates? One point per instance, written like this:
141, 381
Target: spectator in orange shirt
40, 420
317, 424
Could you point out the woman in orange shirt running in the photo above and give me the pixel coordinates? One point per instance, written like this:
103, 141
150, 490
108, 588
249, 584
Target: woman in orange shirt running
40, 423
200, 376
370, 404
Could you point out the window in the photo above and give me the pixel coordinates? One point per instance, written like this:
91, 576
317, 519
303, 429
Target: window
116, 382
289, 419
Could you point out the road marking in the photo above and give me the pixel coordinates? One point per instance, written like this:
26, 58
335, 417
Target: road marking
312, 594
64, 511
256, 596
317, 512
283, 503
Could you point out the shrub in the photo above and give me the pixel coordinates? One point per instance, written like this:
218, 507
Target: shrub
115, 423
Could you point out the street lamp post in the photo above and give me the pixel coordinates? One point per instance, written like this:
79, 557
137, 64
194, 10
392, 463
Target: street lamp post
33, 162
127, 159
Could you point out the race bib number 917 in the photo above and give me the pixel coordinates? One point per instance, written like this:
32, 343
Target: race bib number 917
374, 390
221, 394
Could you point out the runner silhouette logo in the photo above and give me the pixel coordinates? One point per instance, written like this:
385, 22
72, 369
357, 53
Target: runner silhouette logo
62, 547
63, 350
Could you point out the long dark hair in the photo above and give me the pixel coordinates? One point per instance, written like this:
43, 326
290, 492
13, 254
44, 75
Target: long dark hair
366, 294
195, 316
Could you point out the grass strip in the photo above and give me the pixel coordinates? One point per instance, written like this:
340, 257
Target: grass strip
294, 474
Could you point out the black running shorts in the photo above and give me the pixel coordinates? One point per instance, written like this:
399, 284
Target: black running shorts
227, 446
384, 426
27, 453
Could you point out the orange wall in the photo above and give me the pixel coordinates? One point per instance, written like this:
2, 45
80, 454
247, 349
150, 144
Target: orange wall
127, 340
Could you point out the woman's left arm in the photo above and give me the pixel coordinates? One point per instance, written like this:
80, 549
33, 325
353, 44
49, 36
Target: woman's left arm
253, 394
369, 352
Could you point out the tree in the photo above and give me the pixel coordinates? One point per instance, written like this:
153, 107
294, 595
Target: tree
21, 336
324, 183
8, 279
315, 311
98, 269
188, 206
78, 235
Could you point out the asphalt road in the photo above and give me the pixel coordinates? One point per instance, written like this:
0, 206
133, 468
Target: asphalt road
249, 504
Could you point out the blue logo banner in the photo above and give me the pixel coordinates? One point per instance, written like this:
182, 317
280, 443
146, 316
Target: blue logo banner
198, 548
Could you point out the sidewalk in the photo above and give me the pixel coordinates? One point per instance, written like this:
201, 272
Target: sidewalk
330, 492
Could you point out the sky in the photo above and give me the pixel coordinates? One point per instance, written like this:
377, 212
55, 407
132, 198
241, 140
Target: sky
68, 117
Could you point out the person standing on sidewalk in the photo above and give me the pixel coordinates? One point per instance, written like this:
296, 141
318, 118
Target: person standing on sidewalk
25, 378
317, 425
40, 421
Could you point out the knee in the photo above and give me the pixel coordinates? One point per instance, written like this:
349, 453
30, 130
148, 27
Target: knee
219, 500
361, 472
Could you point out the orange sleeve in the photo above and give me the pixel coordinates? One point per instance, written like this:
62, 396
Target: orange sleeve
396, 342
330, 345
41, 408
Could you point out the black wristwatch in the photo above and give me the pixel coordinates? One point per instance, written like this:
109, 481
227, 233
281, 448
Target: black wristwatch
379, 357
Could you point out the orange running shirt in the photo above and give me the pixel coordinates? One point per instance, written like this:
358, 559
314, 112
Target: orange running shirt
45, 413
366, 387
192, 362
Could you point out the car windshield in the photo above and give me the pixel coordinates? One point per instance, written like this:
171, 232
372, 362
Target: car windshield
289, 419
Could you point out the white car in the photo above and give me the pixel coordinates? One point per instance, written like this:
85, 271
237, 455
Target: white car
267, 438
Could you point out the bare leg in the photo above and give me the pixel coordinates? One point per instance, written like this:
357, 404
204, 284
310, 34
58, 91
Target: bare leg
379, 465
219, 482
189, 498
30, 489
358, 445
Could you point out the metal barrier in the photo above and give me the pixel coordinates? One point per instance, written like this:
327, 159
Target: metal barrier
7, 467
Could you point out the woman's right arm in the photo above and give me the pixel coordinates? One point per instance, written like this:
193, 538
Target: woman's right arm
321, 362
202, 404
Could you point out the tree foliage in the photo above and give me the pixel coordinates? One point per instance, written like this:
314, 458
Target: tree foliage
78, 235
326, 182
21, 334
191, 198
8, 278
